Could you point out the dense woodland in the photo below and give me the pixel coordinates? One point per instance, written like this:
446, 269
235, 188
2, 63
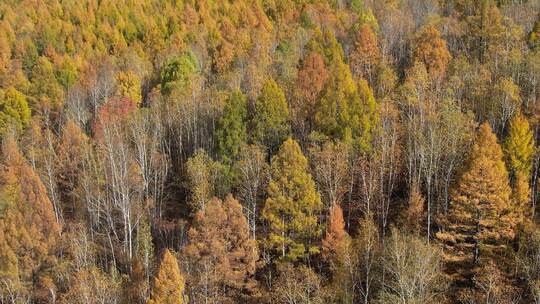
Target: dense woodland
269, 151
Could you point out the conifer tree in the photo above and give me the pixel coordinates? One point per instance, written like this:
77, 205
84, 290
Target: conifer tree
366, 54
14, 110
231, 132
221, 252
29, 232
292, 205
168, 285
480, 218
346, 111
432, 51
519, 149
271, 118
519, 146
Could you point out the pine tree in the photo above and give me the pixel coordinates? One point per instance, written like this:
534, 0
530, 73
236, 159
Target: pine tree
479, 219
292, 205
221, 252
271, 118
336, 238
168, 285
231, 132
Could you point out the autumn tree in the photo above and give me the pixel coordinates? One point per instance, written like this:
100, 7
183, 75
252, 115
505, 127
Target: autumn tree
14, 110
129, 86
270, 121
232, 129
312, 76
331, 170
413, 271
168, 285
479, 220
292, 205
346, 111
29, 232
253, 174
431, 50
297, 285
519, 150
203, 175
222, 254
366, 54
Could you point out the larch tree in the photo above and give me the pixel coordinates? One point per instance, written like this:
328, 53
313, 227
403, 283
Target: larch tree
292, 205
519, 149
232, 129
480, 217
14, 110
128, 85
366, 53
168, 285
270, 121
221, 253
431, 50
346, 111
29, 232
312, 76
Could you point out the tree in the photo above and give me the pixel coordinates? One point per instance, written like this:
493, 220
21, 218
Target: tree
519, 146
431, 50
14, 110
222, 254
231, 132
168, 285
29, 232
519, 151
366, 54
336, 238
270, 121
365, 264
534, 35
346, 111
129, 86
297, 285
203, 176
252, 171
292, 205
413, 271
312, 76
177, 72
479, 219
331, 169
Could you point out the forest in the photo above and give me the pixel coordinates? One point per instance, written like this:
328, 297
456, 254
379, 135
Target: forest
269, 151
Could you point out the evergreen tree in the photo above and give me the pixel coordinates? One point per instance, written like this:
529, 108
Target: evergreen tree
231, 132
168, 286
271, 118
480, 219
292, 205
